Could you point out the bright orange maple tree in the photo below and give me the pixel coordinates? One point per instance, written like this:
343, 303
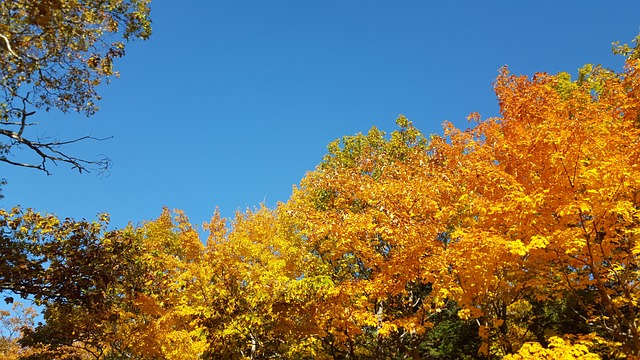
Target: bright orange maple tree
540, 204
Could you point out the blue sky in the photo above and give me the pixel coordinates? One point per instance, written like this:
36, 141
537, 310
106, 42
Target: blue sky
231, 102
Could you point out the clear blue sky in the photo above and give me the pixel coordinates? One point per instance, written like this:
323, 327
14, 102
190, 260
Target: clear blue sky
231, 102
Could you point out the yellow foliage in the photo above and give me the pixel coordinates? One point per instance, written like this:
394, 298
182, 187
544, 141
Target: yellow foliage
558, 349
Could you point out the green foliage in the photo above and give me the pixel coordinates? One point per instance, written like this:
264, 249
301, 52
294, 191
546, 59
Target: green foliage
630, 52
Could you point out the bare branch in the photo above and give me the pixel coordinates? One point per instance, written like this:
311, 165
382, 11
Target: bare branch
15, 123
48, 151
87, 137
31, 166
6, 40
24, 115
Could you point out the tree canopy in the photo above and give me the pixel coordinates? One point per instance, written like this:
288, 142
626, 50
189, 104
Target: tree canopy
516, 238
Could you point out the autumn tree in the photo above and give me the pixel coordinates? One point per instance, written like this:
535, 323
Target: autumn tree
375, 213
254, 303
53, 56
503, 220
65, 260
13, 324
79, 273
249, 291
550, 206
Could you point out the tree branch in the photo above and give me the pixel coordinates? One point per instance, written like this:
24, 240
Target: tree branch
6, 40
48, 151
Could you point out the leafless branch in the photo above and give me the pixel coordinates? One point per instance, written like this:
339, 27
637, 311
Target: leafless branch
49, 151
4, 159
15, 123
6, 40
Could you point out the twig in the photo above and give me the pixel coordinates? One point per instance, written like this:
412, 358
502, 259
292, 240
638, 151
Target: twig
6, 40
